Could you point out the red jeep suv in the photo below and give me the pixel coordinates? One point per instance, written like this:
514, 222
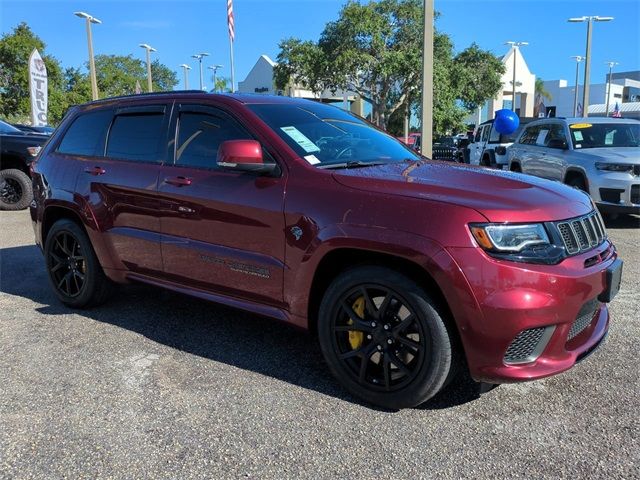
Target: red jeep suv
302, 212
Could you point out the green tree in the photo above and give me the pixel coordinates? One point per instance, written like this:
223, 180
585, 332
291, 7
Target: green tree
540, 91
223, 84
15, 49
375, 50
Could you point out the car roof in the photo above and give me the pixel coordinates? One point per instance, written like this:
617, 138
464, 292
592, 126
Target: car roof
571, 120
193, 95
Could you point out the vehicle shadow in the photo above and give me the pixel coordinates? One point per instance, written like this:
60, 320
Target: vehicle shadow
622, 221
201, 328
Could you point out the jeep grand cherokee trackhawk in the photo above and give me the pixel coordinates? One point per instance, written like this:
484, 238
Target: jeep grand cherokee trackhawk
302, 212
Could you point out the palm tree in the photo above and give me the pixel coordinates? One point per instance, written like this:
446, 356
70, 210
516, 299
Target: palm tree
540, 93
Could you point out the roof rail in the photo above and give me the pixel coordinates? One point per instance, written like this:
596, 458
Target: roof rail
147, 94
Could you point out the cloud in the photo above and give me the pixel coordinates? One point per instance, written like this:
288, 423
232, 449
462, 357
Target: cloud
146, 24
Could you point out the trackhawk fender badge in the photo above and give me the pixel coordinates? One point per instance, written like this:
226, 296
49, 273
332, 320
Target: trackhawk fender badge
236, 266
296, 232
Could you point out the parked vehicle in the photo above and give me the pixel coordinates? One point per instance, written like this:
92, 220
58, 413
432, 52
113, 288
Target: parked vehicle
407, 269
489, 148
446, 148
43, 130
17, 151
600, 156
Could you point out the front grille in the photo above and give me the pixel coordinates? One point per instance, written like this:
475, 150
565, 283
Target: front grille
582, 233
443, 153
636, 170
585, 317
523, 347
635, 193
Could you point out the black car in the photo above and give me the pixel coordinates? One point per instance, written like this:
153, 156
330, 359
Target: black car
17, 150
43, 130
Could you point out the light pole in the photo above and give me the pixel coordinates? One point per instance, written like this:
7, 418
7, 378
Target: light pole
427, 80
92, 66
611, 64
578, 59
215, 68
514, 46
149, 49
587, 57
199, 57
185, 69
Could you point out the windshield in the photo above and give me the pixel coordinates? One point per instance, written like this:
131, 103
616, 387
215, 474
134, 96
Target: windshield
596, 135
325, 135
6, 128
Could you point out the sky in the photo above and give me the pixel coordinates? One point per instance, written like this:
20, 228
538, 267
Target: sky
180, 28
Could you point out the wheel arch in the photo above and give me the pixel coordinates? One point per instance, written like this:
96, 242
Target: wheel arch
54, 213
575, 172
339, 260
9, 161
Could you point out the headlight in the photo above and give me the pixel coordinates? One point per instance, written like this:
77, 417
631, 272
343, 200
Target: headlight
509, 238
614, 167
34, 151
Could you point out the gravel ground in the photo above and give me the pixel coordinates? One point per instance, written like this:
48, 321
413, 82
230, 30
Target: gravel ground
155, 384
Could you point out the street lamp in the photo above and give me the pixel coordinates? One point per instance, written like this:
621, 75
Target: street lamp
92, 66
199, 57
587, 58
185, 69
515, 46
611, 64
578, 59
149, 49
215, 68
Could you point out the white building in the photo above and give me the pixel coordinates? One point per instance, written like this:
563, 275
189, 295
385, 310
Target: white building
260, 80
525, 90
625, 91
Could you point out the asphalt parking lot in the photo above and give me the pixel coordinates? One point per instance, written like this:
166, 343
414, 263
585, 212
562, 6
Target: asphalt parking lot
154, 384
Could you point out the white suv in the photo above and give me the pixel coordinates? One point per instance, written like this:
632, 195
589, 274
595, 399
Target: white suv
489, 148
598, 155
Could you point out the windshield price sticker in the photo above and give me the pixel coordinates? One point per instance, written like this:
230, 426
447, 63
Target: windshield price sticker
312, 159
300, 139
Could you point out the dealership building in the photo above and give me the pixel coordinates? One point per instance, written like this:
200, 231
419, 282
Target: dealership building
624, 92
260, 80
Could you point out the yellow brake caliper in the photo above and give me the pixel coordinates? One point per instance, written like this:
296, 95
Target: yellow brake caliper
355, 336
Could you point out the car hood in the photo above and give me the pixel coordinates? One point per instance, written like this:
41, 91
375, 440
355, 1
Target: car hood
611, 154
499, 196
25, 138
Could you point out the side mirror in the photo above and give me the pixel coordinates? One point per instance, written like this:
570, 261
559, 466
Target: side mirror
557, 143
243, 156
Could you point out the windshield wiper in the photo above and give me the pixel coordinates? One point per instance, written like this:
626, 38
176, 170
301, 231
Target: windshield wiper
351, 164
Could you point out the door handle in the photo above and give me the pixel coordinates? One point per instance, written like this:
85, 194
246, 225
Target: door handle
95, 171
178, 181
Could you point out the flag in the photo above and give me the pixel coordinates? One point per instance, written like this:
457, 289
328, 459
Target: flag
616, 111
232, 32
38, 89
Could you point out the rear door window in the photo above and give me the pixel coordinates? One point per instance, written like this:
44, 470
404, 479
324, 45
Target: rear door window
137, 136
87, 133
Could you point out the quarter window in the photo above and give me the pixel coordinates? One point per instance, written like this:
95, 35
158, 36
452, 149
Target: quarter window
86, 134
136, 137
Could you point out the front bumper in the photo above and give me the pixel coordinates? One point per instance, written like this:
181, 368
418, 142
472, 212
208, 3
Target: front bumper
615, 192
511, 298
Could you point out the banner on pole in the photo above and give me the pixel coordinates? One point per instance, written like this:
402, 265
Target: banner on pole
38, 89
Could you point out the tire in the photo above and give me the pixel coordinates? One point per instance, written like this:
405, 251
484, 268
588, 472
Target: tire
74, 271
515, 167
397, 330
16, 192
577, 182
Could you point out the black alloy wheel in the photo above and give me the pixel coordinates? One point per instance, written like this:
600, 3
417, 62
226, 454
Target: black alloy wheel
382, 344
15, 189
74, 271
383, 338
67, 264
10, 191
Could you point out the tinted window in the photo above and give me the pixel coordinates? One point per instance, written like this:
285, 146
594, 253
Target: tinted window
598, 135
136, 137
530, 135
86, 134
556, 132
485, 132
200, 136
